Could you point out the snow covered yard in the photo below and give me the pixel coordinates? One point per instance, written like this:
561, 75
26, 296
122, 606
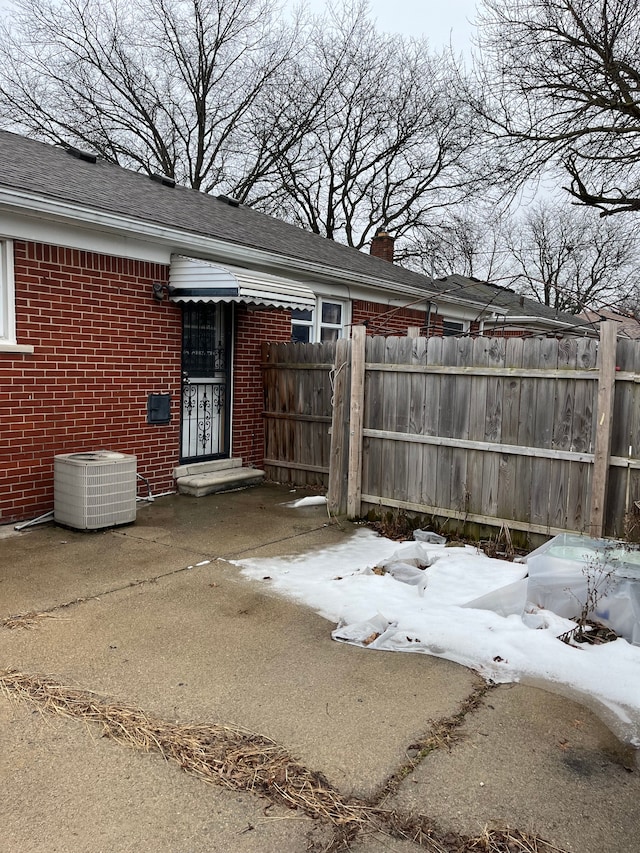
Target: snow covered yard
459, 604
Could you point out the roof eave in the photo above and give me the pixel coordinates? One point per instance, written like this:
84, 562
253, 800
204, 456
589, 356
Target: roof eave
189, 242
214, 248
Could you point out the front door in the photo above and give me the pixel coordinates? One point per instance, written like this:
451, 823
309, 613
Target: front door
205, 381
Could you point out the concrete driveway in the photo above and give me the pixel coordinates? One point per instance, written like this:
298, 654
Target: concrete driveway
153, 615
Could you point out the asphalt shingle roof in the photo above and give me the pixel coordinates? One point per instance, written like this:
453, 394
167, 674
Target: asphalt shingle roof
51, 172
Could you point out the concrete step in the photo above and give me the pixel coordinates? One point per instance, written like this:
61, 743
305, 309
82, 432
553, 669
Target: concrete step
199, 485
209, 467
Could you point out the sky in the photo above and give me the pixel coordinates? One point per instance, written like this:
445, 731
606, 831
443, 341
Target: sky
441, 22
490, 615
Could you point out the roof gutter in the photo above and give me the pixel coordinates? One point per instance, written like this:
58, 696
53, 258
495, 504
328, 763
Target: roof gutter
212, 248
528, 320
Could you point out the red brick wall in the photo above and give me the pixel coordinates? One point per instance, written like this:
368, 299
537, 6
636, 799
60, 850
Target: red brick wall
252, 328
101, 344
384, 319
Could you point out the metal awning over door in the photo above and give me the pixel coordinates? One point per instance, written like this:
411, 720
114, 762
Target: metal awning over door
195, 280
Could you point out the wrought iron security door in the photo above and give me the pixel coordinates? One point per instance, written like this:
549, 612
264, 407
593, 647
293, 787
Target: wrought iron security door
205, 381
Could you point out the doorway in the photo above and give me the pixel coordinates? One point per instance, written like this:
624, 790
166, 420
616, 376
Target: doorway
206, 363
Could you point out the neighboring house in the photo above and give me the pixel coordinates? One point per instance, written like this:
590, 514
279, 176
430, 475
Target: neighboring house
132, 313
628, 326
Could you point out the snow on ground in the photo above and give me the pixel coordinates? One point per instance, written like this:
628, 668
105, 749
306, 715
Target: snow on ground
440, 611
312, 500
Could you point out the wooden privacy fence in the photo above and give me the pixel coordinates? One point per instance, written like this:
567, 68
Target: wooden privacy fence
541, 434
297, 413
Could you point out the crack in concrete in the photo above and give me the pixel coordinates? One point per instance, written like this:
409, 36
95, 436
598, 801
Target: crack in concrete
14, 620
442, 733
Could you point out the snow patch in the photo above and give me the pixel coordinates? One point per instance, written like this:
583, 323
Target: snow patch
458, 604
312, 500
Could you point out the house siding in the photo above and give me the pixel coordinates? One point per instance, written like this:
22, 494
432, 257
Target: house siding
252, 329
101, 345
383, 319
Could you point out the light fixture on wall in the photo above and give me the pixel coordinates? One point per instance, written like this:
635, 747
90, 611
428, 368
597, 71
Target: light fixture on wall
161, 290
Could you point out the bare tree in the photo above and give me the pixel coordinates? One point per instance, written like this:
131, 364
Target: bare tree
325, 122
565, 257
559, 83
571, 260
389, 145
468, 241
174, 86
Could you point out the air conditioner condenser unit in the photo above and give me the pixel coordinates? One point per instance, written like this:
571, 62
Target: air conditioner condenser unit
94, 489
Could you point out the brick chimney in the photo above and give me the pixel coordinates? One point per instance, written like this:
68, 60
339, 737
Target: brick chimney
382, 245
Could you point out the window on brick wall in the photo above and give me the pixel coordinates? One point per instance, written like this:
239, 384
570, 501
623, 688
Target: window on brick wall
302, 325
453, 327
324, 323
7, 294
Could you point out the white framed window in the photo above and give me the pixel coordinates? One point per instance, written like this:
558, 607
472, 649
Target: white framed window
331, 317
326, 322
302, 325
7, 294
454, 327
8, 342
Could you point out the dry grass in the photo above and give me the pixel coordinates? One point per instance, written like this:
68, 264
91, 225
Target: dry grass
242, 760
24, 620
232, 757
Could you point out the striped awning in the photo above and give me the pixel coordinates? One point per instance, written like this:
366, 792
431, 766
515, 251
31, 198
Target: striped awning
195, 280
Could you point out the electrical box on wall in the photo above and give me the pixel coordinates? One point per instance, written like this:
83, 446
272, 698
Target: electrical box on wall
158, 408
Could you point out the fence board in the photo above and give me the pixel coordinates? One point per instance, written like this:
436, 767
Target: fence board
526, 429
297, 412
543, 434
632, 526
579, 475
561, 434
448, 390
417, 407
460, 425
477, 418
356, 415
432, 396
339, 445
493, 428
372, 448
624, 424
404, 355
507, 467
387, 473
602, 442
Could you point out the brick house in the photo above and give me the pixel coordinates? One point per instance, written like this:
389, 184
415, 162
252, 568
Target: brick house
129, 305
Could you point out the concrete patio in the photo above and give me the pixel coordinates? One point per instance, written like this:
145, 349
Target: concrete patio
154, 615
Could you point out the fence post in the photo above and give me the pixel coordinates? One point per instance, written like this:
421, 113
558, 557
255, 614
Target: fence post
338, 455
356, 412
413, 332
602, 449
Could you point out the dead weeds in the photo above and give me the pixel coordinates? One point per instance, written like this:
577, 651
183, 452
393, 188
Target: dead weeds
24, 620
398, 526
242, 760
